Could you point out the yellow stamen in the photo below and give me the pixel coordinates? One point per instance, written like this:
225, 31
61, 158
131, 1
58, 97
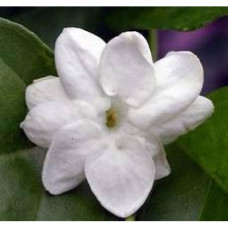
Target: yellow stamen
111, 117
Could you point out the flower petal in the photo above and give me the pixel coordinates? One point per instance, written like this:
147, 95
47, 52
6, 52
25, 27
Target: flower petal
44, 90
155, 148
179, 81
192, 117
43, 121
122, 176
77, 55
126, 68
63, 168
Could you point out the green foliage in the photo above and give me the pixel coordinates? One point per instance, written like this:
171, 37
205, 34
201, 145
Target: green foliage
196, 189
24, 53
23, 57
188, 194
23, 198
178, 18
208, 144
192, 192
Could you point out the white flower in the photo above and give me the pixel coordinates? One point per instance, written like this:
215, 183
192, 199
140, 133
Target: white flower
105, 115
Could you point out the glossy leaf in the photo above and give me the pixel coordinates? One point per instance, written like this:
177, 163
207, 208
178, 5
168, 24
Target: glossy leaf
24, 52
216, 205
23, 198
186, 195
23, 57
178, 18
208, 144
192, 194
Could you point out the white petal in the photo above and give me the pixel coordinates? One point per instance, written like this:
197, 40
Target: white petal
152, 145
122, 176
155, 148
126, 128
77, 55
43, 121
179, 81
63, 168
126, 68
192, 117
44, 90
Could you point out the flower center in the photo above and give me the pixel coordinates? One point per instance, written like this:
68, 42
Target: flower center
111, 118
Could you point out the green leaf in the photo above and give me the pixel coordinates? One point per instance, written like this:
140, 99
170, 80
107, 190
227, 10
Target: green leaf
24, 53
23, 198
191, 194
216, 205
178, 18
187, 194
208, 144
23, 57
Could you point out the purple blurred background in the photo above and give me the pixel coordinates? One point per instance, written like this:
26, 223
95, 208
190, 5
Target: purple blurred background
209, 43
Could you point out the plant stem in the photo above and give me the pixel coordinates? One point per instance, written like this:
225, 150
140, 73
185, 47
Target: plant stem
153, 42
130, 218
